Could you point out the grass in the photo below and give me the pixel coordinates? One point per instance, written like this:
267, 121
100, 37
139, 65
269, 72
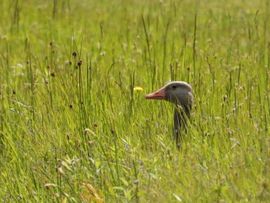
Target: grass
73, 129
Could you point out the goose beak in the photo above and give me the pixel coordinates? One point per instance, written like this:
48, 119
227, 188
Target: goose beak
159, 94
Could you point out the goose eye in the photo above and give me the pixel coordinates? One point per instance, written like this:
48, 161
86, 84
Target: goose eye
174, 87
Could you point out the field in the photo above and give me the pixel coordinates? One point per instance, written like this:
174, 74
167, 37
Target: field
74, 123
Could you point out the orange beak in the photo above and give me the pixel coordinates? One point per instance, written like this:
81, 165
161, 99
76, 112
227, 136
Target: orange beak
159, 94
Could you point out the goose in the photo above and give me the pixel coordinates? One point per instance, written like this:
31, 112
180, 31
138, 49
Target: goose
180, 94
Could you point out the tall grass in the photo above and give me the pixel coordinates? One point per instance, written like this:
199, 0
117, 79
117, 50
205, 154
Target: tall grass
73, 128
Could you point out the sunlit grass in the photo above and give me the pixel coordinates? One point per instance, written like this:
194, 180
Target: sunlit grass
74, 124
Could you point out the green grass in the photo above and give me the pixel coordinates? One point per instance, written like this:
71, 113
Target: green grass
73, 129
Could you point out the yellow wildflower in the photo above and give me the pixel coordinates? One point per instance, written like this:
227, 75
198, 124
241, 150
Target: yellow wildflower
138, 89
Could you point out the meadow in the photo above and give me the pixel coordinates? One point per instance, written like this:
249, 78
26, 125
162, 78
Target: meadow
74, 123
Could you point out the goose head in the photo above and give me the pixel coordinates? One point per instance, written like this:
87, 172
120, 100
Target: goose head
176, 92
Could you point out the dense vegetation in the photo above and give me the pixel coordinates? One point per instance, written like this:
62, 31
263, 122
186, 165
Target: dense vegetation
73, 128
